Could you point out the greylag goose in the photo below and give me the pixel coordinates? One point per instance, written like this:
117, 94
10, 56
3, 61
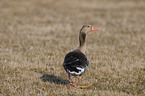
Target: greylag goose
75, 62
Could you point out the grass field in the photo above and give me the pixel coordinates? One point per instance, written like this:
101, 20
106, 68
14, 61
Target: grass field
35, 35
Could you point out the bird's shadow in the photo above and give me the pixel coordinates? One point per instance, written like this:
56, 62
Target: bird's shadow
53, 79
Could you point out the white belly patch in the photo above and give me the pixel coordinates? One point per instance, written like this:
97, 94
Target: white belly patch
81, 70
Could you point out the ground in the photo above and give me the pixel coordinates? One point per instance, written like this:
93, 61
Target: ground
35, 35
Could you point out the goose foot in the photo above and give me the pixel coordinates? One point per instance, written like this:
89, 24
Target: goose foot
85, 86
72, 85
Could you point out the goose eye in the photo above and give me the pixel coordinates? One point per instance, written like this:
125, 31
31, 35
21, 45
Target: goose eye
88, 26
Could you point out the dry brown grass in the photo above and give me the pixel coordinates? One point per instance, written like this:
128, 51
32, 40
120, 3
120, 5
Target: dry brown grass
35, 35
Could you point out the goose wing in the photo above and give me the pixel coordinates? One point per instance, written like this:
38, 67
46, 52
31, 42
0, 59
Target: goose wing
75, 62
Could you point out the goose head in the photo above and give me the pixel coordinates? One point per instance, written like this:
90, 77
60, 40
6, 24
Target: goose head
88, 28
82, 36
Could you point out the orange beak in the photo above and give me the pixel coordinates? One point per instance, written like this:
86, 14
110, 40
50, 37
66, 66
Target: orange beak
94, 29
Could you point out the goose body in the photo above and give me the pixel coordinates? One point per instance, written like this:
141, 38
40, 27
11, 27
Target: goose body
75, 62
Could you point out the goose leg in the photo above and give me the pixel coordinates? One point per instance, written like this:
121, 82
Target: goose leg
71, 85
82, 86
79, 81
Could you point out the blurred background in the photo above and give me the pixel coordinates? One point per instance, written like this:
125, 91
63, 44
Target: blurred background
35, 35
